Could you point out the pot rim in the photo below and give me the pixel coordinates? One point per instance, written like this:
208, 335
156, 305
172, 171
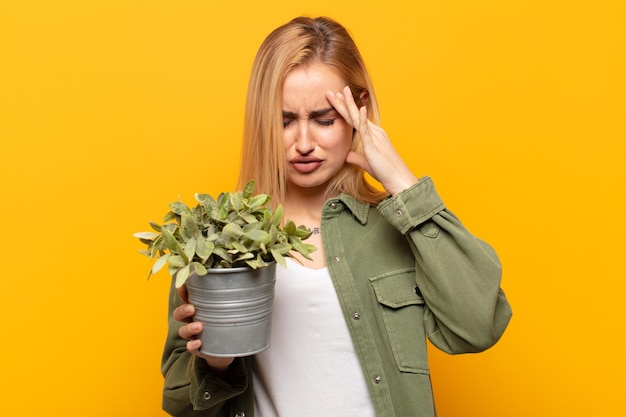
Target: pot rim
236, 269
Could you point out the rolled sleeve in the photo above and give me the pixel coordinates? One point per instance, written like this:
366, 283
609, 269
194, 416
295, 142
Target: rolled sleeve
413, 206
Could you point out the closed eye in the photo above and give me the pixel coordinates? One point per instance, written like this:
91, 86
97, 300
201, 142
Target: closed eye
325, 122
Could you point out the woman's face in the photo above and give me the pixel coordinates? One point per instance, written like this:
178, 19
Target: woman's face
316, 138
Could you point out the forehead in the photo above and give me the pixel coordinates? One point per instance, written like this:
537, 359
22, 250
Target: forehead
307, 85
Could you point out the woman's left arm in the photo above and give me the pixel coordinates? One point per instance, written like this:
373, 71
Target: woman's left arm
458, 274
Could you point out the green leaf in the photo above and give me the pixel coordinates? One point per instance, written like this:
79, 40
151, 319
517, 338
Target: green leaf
267, 219
278, 257
179, 208
248, 190
281, 248
240, 247
155, 226
199, 269
248, 218
222, 205
190, 249
188, 226
206, 200
252, 226
308, 250
260, 236
273, 234
204, 248
146, 235
222, 253
230, 232
278, 215
256, 263
302, 232
182, 276
169, 241
300, 247
236, 200
263, 248
176, 261
159, 264
169, 216
290, 227
258, 201
147, 242
244, 256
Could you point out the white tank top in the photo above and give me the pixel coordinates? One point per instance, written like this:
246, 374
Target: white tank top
311, 368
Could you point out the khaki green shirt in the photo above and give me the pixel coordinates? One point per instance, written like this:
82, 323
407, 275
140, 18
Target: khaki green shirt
404, 271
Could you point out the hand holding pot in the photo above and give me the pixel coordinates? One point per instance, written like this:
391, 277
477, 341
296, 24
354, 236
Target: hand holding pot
184, 313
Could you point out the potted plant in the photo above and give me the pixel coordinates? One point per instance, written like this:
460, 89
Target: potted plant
225, 251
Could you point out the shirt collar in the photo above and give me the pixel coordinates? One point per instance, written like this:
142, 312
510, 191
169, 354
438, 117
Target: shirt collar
359, 209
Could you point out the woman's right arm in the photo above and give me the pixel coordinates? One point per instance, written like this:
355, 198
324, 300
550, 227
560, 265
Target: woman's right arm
196, 385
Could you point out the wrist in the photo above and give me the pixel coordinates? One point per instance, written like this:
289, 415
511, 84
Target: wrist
402, 184
218, 365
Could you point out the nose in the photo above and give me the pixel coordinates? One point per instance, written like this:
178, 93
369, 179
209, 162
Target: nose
304, 139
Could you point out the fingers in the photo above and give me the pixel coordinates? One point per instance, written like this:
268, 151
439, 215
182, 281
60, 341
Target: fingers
190, 331
353, 109
346, 106
364, 124
184, 313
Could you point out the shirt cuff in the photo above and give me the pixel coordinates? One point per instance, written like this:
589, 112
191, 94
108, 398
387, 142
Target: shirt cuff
208, 390
413, 206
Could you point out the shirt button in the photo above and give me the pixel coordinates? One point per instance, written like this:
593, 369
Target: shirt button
333, 204
399, 213
417, 291
336, 258
207, 395
240, 414
377, 379
356, 316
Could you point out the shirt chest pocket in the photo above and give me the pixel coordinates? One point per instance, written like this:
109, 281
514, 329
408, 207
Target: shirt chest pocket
402, 309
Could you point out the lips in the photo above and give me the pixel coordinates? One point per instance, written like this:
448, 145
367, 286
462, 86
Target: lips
305, 165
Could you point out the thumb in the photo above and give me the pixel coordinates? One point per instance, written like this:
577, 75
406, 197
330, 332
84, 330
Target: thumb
182, 293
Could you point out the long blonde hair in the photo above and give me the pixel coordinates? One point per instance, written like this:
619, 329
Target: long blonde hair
300, 42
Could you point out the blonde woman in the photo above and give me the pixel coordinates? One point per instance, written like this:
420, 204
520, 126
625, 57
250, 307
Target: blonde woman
393, 268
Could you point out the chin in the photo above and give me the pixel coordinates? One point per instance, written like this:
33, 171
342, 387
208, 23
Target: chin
311, 183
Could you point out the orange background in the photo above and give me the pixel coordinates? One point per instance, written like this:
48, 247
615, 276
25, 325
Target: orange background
112, 109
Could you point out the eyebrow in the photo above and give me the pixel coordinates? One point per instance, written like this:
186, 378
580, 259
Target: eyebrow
313, 115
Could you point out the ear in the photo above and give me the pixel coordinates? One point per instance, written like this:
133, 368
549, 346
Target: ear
364, 98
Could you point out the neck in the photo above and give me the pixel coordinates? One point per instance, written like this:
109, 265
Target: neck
304, 208
306, 202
